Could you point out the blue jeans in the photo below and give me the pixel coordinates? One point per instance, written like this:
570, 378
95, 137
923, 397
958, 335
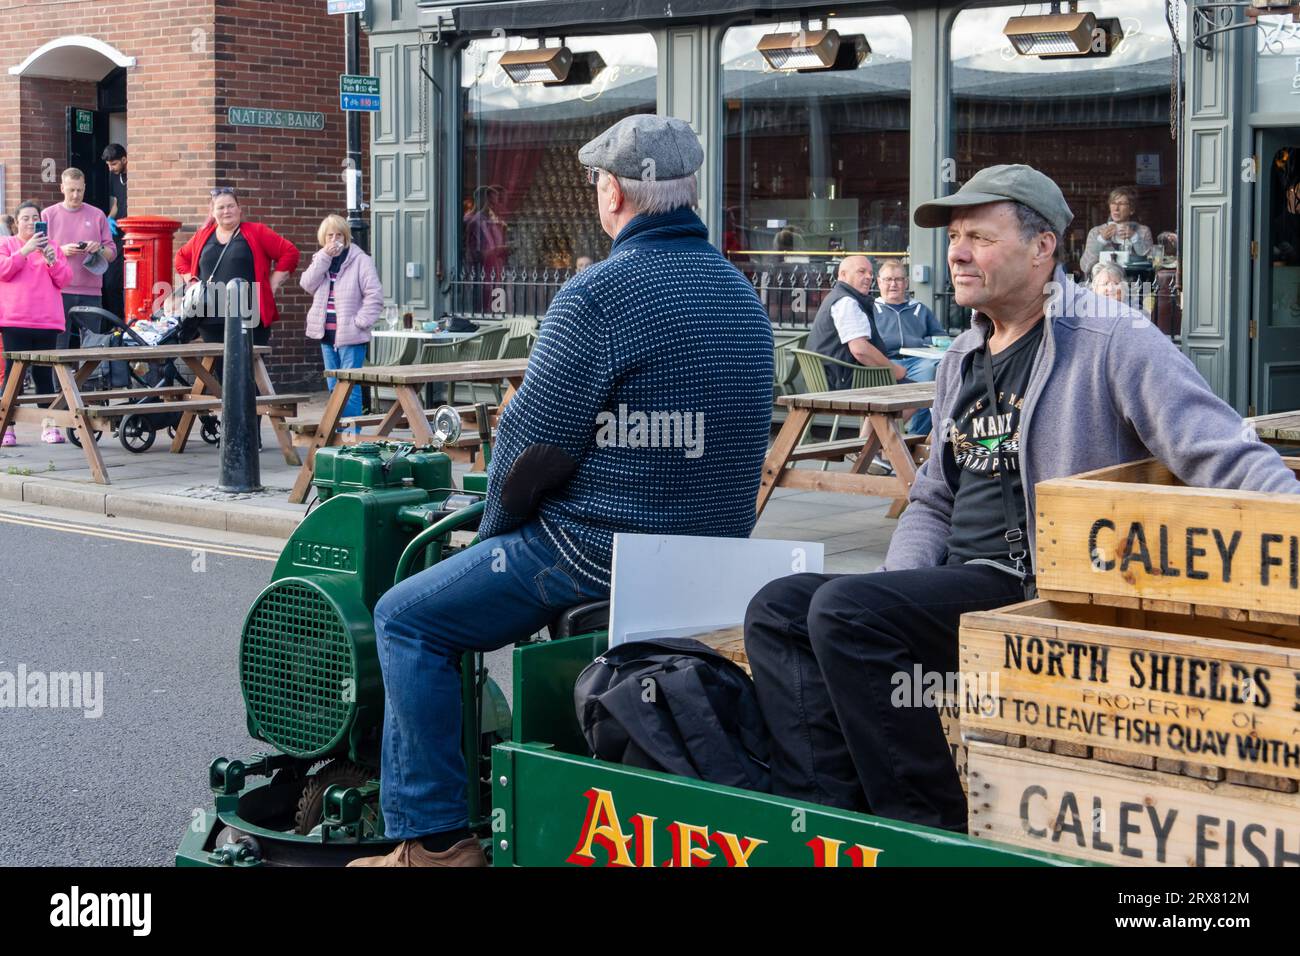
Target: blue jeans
345, 356
919, 370
497, 592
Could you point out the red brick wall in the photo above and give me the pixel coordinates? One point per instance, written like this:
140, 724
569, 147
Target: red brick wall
290, 179
169, 125
194, 59
44, 141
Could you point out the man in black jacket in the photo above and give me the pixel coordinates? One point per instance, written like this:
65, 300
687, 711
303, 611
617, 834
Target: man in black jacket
843, 329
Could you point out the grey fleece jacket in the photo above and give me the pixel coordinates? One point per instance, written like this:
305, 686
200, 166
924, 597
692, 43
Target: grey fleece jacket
1107, 387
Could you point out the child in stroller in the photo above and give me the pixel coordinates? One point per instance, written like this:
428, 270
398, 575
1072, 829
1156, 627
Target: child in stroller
103, 329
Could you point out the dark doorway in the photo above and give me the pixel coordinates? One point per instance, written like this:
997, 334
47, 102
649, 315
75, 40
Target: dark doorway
1275, 353
89, 131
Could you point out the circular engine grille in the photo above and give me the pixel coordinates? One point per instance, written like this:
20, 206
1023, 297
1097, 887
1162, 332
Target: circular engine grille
296, 667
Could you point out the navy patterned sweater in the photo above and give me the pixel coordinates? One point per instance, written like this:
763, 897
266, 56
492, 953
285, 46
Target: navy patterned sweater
653, 370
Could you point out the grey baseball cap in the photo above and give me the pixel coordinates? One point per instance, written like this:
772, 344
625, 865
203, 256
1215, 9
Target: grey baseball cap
1022, 184
668, 144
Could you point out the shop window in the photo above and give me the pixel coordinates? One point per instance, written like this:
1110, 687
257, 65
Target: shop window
528, 216
1095, 125
1277, 65
816, 163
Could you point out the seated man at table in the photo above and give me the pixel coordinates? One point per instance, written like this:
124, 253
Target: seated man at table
843, 329
646, 408
906, 324
1048, 382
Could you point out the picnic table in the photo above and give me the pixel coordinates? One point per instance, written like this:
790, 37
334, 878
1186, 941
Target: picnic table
407, 381
88, 412
882, 410
926, 352
1279, 428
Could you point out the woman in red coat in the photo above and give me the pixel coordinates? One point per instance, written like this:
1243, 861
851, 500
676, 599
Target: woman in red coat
228, 248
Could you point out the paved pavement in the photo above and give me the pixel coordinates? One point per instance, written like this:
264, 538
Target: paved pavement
181, 490
157, 613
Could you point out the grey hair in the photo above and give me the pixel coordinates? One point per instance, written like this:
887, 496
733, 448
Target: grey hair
1115, 271
653, 196
892, 264
1032, 223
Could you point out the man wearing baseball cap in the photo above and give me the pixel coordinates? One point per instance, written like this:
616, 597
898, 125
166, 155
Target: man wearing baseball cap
646, 407
1050, 381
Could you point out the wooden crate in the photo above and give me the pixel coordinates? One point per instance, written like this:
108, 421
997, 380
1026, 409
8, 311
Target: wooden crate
1138, 686
1133, 535
1124, 816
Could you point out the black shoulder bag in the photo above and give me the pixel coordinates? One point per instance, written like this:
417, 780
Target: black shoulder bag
1015, 535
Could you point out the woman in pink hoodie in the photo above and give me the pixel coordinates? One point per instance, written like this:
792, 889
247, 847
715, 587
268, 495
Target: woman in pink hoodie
347, 298
32, 271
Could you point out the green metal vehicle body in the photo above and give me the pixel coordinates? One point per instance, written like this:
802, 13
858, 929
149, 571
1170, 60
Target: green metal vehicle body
313, 691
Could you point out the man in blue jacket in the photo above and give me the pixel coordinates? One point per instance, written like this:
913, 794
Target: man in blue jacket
646, 407
1081, 383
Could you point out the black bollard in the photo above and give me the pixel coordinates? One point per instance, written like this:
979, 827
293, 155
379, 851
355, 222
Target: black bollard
240, 468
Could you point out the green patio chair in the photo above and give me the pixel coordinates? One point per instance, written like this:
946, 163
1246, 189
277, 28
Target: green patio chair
484, 346
814, 376
518, 346
521, 326
787, 368
390, 350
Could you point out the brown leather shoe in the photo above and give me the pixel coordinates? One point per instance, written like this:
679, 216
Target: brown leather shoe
411, 853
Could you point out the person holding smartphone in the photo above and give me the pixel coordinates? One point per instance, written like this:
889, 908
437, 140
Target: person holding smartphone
33, 273
81, 232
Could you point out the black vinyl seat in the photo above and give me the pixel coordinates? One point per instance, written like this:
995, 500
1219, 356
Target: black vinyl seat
580, 619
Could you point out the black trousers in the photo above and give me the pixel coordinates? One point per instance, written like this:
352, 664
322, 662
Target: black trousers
825, 649
30, 340
71, 335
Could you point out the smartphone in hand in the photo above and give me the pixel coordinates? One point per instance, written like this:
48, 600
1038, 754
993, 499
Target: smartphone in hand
42, 228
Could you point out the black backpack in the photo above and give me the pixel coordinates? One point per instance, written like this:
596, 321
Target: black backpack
675, 705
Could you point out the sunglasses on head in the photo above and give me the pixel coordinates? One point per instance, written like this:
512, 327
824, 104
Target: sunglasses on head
222, 191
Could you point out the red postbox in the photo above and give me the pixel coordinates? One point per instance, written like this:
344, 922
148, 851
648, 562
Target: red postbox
146, 262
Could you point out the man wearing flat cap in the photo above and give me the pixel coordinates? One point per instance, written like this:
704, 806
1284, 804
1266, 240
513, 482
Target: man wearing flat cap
1050, 381
646, 408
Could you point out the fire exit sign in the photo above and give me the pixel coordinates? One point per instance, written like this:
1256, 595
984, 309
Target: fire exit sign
85, 121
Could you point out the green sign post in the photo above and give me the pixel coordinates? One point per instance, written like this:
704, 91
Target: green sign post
85, 121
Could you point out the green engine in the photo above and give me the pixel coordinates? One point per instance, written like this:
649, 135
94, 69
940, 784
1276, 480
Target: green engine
307, 663
308, 667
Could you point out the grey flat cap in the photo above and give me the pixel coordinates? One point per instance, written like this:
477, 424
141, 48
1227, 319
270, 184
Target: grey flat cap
1022, 184
645, 146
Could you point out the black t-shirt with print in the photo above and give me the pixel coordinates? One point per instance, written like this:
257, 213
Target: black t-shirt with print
979, 521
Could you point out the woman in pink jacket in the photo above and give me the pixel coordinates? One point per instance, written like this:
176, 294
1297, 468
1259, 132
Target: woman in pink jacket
32, 271
348, 298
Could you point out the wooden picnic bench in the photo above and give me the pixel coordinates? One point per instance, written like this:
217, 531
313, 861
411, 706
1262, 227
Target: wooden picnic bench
89, 412
883, 411
1279, 428
407, 382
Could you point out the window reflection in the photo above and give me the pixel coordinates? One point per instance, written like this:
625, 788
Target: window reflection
525, 206
816, 164
1099, 126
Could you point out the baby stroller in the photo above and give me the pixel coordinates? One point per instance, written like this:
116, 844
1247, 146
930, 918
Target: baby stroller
102, 329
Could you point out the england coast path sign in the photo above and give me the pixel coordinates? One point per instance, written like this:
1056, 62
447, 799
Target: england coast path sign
359, 93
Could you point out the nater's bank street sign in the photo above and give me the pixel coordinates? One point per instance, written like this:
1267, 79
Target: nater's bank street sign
279, 119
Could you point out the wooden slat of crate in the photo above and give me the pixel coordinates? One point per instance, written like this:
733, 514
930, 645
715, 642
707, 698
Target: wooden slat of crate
1128, 817
1108, 700
1131, 532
